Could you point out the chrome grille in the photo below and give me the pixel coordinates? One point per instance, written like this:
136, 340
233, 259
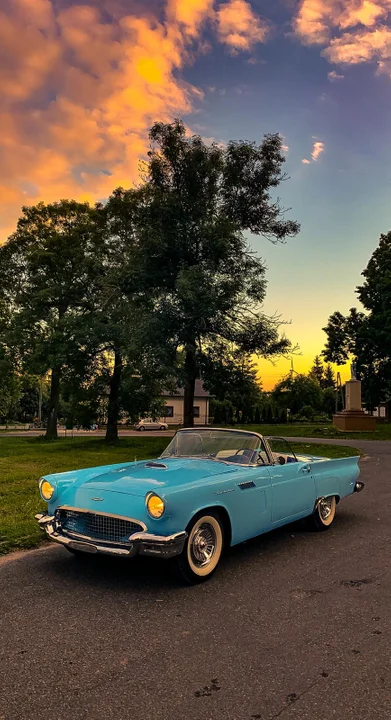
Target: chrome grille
99, 527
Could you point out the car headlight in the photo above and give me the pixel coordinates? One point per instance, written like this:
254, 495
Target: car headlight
155, 505
46, 489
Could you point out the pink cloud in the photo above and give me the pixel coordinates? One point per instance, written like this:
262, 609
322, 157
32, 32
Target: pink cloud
317, 150
333, 76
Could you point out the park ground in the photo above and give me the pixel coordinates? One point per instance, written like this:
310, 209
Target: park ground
295, 625
24, 459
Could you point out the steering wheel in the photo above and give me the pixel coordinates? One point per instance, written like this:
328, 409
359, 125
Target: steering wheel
246, 452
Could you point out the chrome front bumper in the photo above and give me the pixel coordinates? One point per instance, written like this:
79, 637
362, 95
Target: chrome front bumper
141, 543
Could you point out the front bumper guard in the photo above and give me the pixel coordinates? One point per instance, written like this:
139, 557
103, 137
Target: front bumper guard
141, 543
359, 486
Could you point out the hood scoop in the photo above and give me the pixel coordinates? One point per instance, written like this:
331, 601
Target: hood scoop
157, 465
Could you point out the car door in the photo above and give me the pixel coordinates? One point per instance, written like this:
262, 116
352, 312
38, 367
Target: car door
250, 503
292, 484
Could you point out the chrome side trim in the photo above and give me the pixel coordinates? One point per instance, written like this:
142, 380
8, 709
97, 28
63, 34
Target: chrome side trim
156, 465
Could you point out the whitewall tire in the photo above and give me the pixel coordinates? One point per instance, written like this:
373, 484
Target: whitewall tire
324, 513
203, 548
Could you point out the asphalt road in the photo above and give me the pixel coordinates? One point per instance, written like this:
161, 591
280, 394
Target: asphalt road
295, 625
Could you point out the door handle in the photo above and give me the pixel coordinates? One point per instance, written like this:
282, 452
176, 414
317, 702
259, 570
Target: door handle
306, 469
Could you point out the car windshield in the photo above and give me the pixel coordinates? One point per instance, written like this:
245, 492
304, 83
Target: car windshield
230, 446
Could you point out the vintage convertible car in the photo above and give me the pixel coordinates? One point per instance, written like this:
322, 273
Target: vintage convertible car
209, 489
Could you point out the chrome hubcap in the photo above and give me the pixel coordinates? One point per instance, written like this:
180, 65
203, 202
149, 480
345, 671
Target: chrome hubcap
203, 545
326, 508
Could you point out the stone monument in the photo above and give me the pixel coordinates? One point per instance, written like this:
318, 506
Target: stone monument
353, 418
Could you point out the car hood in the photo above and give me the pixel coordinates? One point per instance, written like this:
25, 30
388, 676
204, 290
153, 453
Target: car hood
158, 475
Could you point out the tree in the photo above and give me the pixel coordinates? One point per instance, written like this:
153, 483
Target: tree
317, 371
47, 271
231, 375
295, 393
142, 355
10, 387
366, 337
329, 378
283, 416
28, 405
193, 258
9, 379
329, 401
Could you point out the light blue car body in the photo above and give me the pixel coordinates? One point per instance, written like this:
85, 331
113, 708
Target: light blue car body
253, 499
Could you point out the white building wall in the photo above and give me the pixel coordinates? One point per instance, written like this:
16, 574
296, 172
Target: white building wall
176, 418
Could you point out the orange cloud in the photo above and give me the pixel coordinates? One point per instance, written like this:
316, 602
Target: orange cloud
353, 31
239, 27
310, 24
80, 86
190, 13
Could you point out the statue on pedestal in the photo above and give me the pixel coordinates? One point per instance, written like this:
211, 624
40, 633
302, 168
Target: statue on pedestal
353, 371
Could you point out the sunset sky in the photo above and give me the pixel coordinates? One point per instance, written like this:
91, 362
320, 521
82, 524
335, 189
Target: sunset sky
81, 83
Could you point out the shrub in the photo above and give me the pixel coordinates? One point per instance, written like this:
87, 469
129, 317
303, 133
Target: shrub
307, 412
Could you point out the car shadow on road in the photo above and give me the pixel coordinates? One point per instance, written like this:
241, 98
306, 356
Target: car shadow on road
97, 574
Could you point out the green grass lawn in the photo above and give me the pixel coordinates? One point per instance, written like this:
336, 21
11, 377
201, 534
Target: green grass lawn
24, 460
319, 430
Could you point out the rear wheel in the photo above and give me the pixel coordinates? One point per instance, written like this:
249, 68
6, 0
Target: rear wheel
162, 427
324, 514
203, 549
142, 429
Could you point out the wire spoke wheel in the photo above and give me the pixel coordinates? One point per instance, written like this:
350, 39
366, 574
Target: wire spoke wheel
324, 513
203, 548
326, 508
203, 545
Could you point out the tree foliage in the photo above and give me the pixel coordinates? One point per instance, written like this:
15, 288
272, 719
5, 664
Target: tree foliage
47, 269
298, 392
366, 336
193, 258
113, 302
317, 370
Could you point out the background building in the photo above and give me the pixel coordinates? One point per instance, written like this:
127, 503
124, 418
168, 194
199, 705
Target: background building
174, 406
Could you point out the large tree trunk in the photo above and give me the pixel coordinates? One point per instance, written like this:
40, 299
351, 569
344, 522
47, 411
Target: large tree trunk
190, 378
113, 409
51, 427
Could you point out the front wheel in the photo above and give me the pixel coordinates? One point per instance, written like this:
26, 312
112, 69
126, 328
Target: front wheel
203, 549
141, 429
162, 427
324, 514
